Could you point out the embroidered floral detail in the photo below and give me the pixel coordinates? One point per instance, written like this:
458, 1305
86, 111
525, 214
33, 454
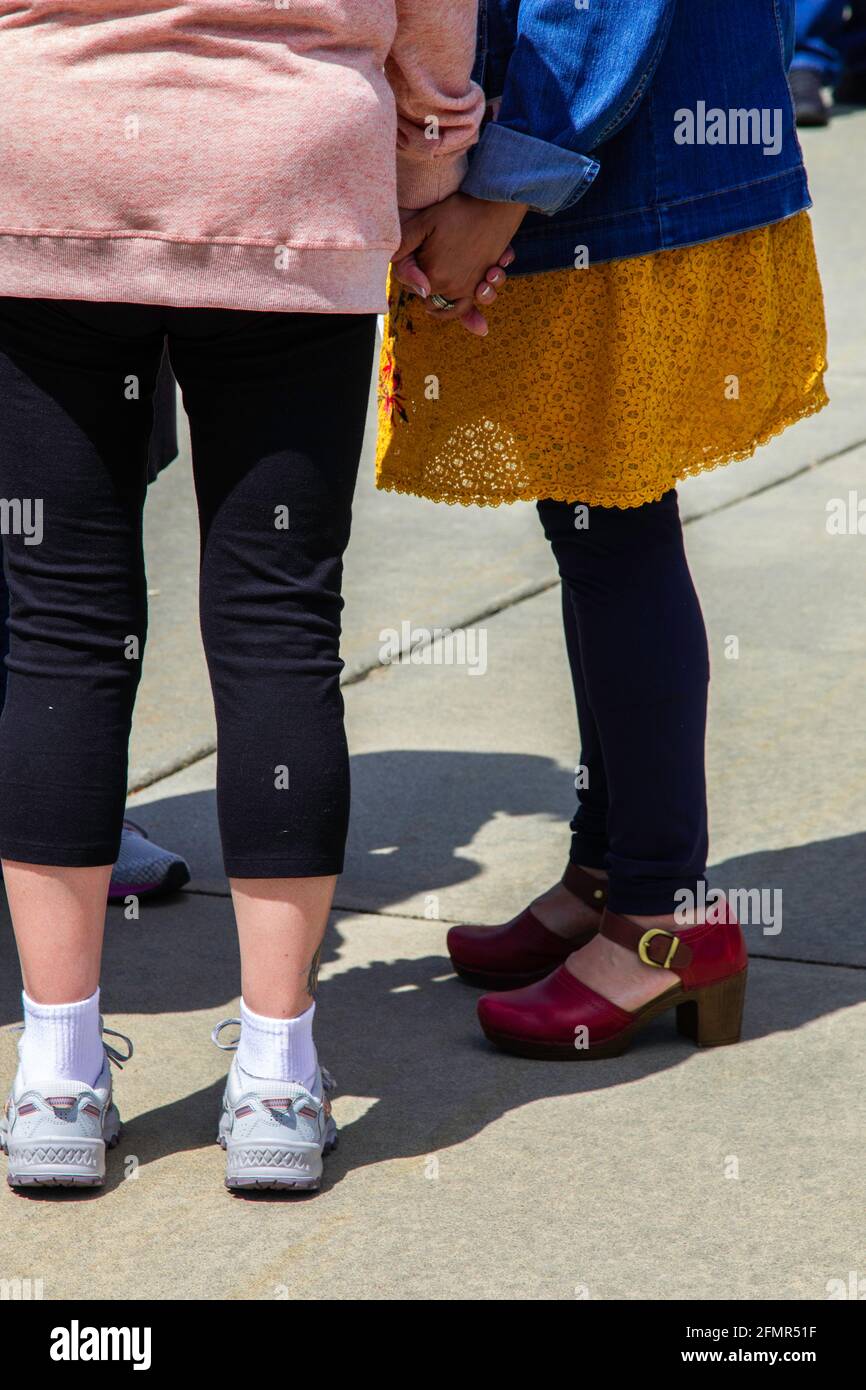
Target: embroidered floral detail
390, 383
390, 377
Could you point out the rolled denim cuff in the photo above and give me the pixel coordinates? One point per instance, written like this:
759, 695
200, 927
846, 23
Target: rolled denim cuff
509, 167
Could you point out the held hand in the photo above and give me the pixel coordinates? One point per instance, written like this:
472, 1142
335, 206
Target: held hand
455, 249
410, 274
485, 295
406, 267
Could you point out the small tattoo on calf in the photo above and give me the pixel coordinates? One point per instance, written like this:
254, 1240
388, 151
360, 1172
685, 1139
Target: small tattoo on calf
313, 974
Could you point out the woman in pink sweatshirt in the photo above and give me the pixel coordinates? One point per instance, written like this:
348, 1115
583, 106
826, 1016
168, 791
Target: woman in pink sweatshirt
221, 177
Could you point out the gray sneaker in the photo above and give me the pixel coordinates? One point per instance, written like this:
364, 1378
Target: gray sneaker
56, 1135
275, 1133
143, 868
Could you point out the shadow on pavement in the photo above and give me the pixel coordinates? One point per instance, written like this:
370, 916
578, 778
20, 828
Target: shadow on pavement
402, 1033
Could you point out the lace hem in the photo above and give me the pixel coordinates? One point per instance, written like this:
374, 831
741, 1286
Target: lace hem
707, 463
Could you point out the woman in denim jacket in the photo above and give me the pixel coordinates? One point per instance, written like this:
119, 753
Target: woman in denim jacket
666, 317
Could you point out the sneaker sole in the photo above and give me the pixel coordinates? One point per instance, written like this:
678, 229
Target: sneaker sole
59, 1162
275, 1167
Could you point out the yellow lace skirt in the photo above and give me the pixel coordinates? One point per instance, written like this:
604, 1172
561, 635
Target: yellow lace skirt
606, 385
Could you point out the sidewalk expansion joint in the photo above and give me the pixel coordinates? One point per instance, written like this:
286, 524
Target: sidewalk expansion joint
512, 598
356, 911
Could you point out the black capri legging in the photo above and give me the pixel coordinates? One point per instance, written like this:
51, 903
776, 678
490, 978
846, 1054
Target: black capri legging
277, 405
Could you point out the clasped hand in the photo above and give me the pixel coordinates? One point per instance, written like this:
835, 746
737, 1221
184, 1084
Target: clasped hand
459, 249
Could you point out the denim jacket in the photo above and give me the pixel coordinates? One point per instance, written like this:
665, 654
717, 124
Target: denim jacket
632, 126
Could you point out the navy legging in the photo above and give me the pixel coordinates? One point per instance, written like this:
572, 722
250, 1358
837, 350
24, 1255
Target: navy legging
637, 648
276, 404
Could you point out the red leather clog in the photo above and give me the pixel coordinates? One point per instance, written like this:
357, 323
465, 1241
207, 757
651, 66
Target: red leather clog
561, 1018
522, 950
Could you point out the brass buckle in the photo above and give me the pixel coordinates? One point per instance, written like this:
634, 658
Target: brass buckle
647, 938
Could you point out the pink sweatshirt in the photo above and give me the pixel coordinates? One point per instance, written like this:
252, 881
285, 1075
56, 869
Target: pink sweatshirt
225, 153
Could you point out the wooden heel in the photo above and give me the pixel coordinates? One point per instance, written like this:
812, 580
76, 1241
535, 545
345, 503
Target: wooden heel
713, 1017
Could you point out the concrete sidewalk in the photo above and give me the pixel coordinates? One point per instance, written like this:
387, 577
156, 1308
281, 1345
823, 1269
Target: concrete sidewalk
463, 1173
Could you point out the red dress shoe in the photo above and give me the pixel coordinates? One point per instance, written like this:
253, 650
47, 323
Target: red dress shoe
523, 950
561, 1018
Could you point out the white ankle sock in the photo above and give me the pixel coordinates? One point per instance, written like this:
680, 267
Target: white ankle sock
61, 1042
278, 1049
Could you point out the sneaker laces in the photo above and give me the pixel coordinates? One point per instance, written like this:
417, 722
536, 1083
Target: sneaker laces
215, 1035
111, 1052
328, 1082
